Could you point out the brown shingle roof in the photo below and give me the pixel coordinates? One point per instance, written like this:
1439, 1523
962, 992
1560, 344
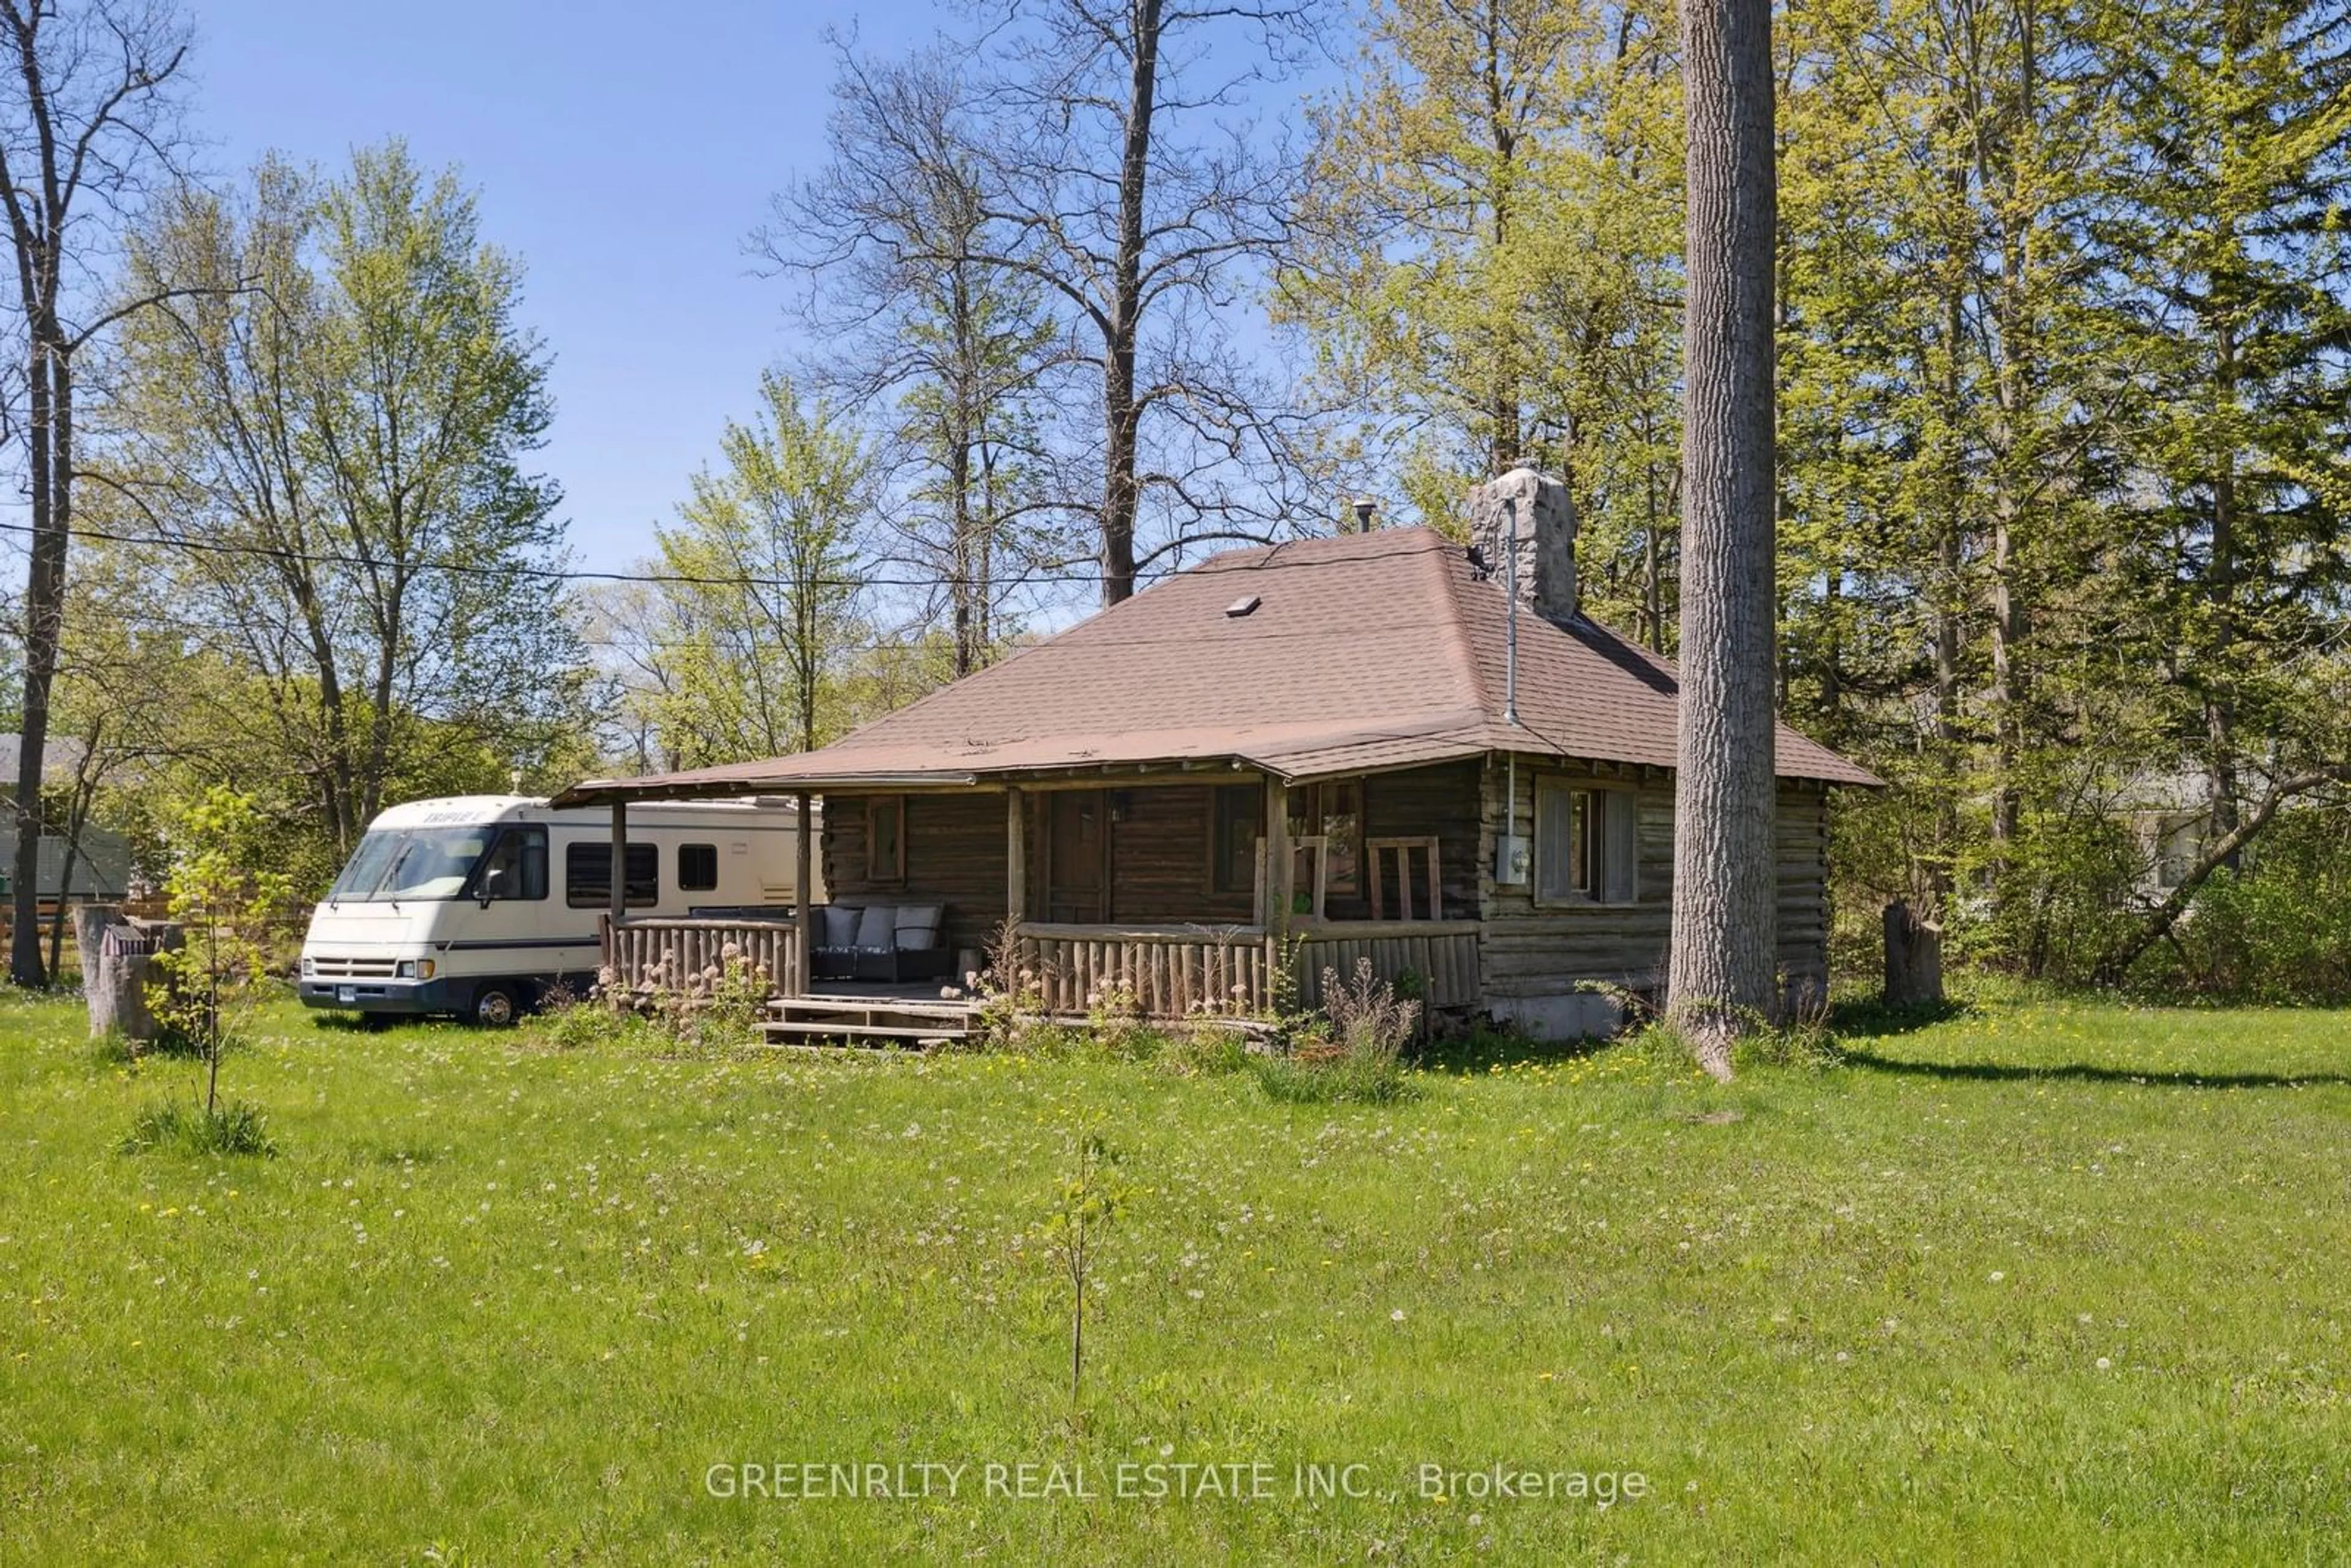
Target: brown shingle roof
1364, 652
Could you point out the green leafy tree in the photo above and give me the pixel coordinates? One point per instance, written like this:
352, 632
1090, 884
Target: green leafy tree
329, 447
2222, 270
955, 354
88, 125
1486, 254
757, 623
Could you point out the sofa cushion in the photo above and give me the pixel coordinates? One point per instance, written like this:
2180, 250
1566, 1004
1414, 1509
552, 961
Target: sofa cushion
875, 928
918, 926
839, 927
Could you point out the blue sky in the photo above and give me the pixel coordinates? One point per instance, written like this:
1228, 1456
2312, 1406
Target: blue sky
622, 152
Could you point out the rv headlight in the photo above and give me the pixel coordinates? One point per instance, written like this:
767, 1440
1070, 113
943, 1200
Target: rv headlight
309, 966
425, 968
405, 969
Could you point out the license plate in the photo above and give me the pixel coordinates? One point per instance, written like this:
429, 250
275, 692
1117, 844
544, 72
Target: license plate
347, 993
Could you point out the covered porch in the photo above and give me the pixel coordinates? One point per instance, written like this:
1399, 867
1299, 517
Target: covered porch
1189, 890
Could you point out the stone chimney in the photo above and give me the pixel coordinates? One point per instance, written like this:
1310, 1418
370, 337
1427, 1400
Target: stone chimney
1546, 564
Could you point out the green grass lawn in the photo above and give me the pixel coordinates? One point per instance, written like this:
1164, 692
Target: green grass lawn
2049, 1282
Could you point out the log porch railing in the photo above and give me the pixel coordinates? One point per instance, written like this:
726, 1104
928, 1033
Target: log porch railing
1170, 970
655, 953
1443, 953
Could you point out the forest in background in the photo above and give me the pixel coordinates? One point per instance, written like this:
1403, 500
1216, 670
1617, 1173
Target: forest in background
2061, 326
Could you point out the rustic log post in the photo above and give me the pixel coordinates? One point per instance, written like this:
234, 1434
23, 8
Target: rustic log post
1280, 873
1914, 959
1015, 856
619, 900
1277, 874
797, 985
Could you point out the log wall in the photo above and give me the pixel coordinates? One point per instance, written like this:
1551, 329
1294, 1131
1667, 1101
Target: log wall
1159, 858
1533, 950
956, 848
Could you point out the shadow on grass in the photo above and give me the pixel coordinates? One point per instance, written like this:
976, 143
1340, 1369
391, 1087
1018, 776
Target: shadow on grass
1480, 1053
1873, 1018
1487, 1048
2083, 1073
359, 1023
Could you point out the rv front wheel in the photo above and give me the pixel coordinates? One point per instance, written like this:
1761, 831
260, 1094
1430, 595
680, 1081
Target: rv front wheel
497, 1006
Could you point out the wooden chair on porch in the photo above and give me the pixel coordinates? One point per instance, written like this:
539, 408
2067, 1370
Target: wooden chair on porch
1378, 852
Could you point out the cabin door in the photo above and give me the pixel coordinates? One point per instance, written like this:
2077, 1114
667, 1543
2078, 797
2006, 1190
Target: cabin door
1077, 856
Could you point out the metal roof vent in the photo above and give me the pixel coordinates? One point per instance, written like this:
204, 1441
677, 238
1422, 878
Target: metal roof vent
1240, 607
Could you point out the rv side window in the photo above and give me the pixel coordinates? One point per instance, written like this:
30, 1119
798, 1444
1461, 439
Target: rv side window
515, 867
588, 875
698, 867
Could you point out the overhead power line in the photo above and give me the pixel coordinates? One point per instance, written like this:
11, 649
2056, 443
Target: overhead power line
1071, 577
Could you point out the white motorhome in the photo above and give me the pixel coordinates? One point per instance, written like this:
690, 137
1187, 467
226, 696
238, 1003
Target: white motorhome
475, 904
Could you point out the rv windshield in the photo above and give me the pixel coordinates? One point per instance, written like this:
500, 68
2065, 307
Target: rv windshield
411, 862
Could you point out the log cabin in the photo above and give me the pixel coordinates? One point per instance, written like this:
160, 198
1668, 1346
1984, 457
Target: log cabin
1387, 746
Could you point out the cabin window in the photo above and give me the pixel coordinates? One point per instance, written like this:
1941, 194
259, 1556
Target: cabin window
587, 876
1232, 849
698, 867
1587, 843
1334, 812
885, 839
515, 867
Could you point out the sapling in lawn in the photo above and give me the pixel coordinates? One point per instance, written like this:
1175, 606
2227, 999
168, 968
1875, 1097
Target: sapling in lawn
207, 988
1089, 1204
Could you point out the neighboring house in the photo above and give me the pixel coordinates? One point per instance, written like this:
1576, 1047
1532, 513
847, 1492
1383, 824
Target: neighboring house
1309, 752
2169, 816
101, 860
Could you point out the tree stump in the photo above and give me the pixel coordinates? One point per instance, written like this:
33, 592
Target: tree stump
1914, 959
90, 922
115, 975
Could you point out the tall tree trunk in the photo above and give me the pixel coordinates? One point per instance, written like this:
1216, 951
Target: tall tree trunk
2013, 393
1948, 595
1507, 444
1653, 615
78, 810
1724, 909
1121, 492
2219, 707
45, 583
82, 115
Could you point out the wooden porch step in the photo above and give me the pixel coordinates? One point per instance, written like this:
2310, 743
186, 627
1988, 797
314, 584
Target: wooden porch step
794, 1033
832, 1007
876, 1020
854, 1000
